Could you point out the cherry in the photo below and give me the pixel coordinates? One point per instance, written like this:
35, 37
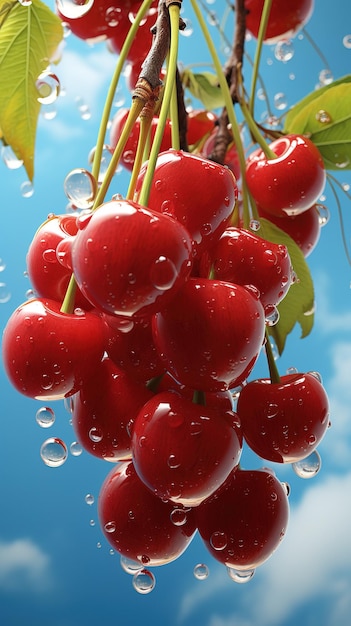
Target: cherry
184, 451
244, 521
200, 194
131, 347
200, 124
138, 524
243, 258
48, 277
210, 335
128, 155
97, 21
128, 259
47, 354
284, 21
303, 228
284, 422
104, 410
221, 400
290, 183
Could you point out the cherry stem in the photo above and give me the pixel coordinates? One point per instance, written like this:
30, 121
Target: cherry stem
199, 397
228, 105
272, 366
145, 125
261, 33
167, 95
113, 86
68, 301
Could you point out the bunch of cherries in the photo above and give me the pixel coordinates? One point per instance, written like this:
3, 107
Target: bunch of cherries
171, 307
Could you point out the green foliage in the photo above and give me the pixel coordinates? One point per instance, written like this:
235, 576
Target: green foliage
325, 116
204, 86
29, 36
297, 306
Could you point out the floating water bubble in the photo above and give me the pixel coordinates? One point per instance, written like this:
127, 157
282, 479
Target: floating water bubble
144, 581
261, 94
53, 452
92, 522
89, 499
27, 189
201, 571
130, 566
347, 41
280, 101
346, 186
45, 417
5, 294
10, 159
255, 225
292, 76
323, 213
308, 467
74, 8
188, 30
284, 51
80, 188
2, 265
325, 77
75, 448
240, 576
48, 87
83, 108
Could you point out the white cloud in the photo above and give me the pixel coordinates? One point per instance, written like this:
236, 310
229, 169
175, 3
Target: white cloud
23, 566
312, 564
328, 319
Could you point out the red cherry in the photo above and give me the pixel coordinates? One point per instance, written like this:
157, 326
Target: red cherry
96, 20
131, 347
128, 155
200, 123
47, 354
284, 422
303, 228
184, 451
243, 258
138, 524
48, 276
210, 335
128, 259
284, 21
104, 410
200, 194
245, 520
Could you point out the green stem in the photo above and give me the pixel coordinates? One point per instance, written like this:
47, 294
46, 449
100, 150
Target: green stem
174, 13
257, 58
113, 86
174, 119
199, 397
68, 301
272, 366
145, 125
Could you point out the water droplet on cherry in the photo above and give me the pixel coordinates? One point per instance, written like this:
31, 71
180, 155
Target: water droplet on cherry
308, 467
144, 581
240, 576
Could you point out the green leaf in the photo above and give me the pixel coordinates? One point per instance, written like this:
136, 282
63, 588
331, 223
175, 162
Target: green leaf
297, 306
325, 116
204, 86
29, 35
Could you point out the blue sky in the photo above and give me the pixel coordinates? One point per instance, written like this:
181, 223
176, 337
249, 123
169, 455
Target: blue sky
51, 570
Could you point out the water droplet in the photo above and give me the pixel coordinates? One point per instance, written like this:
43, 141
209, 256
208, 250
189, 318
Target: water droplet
5, 295
163, 273
218, 540
53, 452
27, 189
2, 265
98, 545
201, 571
95, 434
45, 417
240, 576
308, 467
323, 213
317, 375
188, 30
74, 8
323, 117
261, 94
286, 488
272, 410
341, 161
280, 101
178, 517
255, 225
48, 87
10, 159
325, 77
92, 522
113, 16
284, 51
25, 3
271, 315
144, 581
172, 461
75, 448
80, 188
130, 566
347, 41
110, 527
89, 499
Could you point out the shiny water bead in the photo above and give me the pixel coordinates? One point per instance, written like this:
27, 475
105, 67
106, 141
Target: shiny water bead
45, 417
129, 566
308, 467
284, 51
144, 581
53, 452
75, 448
201, 571
89, 499
5, 294
10, 159
326, 77
80, 188
347, 41
48, 87
2, 265
27, 189
74, 8
323, 117
323, 213
280, 101
240, 576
